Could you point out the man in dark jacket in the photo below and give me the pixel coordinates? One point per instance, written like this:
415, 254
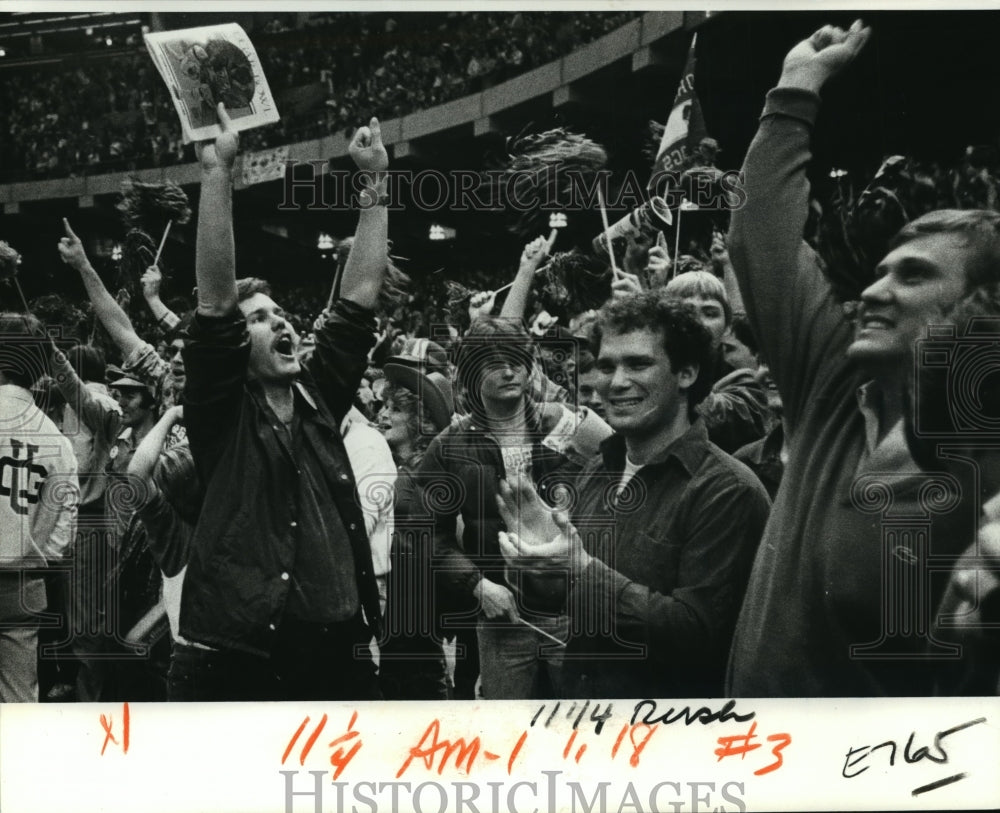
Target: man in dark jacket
668, 523
458, 477
280, 599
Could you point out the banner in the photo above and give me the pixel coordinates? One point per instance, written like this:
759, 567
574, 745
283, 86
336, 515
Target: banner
685, 126
263, 166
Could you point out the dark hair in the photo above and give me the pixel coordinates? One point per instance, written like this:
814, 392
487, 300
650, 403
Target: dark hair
743, 333
980, 227
248, 286
24, 354
685, 340
488, 338
88, 362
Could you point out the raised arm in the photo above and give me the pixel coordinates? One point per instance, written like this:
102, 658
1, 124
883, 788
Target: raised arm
216, 351
151, 281
101, 417
517, 300
800, 328
366, 264
109, 312
148, 452
215, 247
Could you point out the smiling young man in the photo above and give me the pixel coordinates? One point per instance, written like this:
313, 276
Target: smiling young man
280, 599
668, 523
832, 590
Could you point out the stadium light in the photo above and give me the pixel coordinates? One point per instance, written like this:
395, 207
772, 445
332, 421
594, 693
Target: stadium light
438, 232
108, 41
116, 252
3, 52
324, 242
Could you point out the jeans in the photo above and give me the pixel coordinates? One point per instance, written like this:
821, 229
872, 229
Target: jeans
518, 663
308, 662
19, 661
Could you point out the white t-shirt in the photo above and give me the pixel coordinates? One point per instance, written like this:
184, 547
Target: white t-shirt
631, 469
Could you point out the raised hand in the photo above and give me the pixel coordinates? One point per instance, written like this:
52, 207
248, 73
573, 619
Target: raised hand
719, 252
626, 285
827, 52
71, 248
367, 150
481, 304
658, 266
220, 153
536, 251
636, 251
151, 280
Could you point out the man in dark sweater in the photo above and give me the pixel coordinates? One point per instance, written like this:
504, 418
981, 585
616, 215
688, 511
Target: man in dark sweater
838, 584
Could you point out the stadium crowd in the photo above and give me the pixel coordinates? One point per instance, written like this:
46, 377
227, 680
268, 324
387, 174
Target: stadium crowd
372, 492
90, 114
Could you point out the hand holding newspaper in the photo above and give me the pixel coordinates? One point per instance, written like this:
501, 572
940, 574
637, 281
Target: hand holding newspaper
208, 65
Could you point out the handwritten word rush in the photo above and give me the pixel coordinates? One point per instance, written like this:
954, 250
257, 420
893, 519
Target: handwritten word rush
340, 758
107, 723
728, 748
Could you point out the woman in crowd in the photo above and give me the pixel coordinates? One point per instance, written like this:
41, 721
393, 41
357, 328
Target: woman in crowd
417, 405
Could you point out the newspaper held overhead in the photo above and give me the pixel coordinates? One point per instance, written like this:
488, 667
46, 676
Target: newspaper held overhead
211, 64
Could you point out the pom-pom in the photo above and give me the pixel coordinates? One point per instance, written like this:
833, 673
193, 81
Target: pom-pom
138, 252
150, 206
575, 282
9, 260
543, 169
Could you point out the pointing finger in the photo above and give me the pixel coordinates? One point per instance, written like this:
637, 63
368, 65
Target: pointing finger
376, 132
69, 232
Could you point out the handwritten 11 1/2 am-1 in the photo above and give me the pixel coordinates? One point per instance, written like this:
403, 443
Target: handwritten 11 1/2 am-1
438, 753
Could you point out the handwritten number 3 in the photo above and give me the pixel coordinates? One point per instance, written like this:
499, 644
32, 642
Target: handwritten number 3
785, 739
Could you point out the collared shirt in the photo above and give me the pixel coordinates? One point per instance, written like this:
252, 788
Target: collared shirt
119, 499
251, 529
653, 613
322, 587
375, 473
891, 453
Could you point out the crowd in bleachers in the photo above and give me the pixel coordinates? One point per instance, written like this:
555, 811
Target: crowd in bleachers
89, 114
